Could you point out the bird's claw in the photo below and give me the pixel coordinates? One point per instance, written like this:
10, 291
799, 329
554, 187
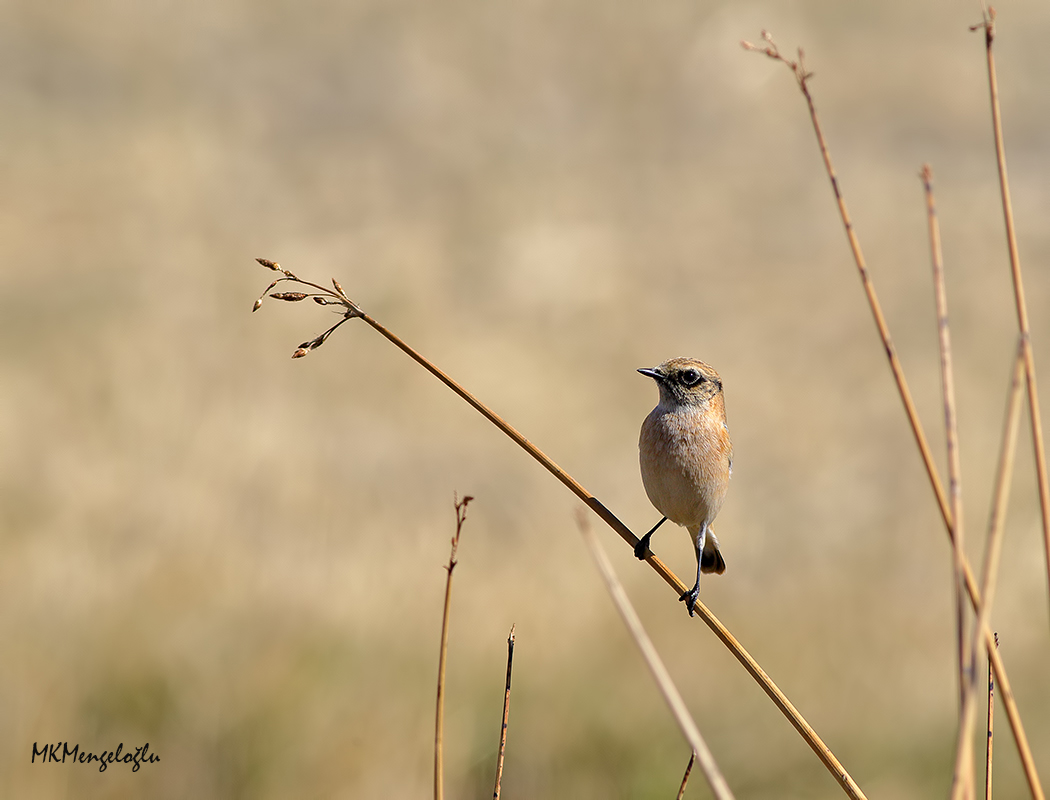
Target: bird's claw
641, 550
690, 599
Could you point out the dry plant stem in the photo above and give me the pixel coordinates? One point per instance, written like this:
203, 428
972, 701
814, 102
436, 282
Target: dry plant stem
1019, 297
991, 724
506, 714
1012, 712
802, 78
439, 722
685, 777
988, 743
656, 665
951, 425
963, 777
778, 697
1004, 475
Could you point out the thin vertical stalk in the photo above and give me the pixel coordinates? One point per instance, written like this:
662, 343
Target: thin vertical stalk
991, 725
1013, 714
685, 777
439, 716
963, 779
506, 713
439, 722
1019, 297
1004, 475
951, 424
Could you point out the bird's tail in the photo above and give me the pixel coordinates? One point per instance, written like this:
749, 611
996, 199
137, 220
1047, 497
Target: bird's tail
711, 560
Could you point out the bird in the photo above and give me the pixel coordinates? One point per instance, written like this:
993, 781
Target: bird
686, 458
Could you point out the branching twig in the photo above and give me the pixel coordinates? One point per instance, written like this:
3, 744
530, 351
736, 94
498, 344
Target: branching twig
988, 26
781, 701
323, 297
1012, 713
439, 722
506, 714
656, 665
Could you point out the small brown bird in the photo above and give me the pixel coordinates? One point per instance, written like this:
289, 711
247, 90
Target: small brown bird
686, 458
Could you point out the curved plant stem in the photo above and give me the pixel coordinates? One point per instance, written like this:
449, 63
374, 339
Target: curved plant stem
336, 296
778, 697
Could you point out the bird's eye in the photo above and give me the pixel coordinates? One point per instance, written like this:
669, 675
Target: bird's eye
691, 377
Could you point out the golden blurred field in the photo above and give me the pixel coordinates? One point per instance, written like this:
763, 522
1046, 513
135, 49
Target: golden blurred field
238, 557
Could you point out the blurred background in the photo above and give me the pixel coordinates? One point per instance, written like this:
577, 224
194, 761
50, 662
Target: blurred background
238, 557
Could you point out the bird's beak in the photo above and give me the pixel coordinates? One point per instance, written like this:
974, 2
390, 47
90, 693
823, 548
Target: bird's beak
655, 374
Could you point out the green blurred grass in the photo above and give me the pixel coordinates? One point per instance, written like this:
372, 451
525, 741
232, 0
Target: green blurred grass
238, 557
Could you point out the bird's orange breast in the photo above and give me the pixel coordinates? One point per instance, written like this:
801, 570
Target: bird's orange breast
685, 455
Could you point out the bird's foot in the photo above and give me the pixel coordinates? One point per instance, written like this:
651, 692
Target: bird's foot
690, 598
641, 550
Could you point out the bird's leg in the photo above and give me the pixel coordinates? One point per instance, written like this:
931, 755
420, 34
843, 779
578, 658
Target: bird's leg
693, 594
641, 550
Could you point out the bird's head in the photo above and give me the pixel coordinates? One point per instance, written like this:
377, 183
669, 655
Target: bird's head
685, 381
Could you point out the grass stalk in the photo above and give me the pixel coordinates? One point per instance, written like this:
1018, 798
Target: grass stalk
685, 777
1013, 713
963, 777
672, 696
993, 549
439, 721
506, 713
1009, 704
338, 297
991, 726
802, 78
988, 25
951, 424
